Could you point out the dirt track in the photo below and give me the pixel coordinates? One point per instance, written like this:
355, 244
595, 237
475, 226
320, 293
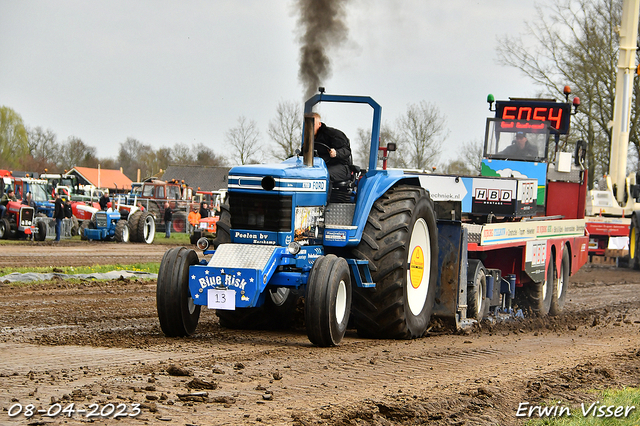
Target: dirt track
100, 343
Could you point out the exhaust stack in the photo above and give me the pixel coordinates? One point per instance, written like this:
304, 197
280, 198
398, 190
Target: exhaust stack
307, 143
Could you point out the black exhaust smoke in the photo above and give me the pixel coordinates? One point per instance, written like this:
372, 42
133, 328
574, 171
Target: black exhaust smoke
322, 26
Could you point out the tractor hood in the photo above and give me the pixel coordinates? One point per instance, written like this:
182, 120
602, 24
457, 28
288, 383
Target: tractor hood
290, 175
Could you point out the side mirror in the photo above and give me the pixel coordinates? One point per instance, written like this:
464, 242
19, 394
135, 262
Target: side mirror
391, 146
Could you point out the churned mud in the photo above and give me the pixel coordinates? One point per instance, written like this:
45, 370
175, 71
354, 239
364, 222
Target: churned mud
97, 346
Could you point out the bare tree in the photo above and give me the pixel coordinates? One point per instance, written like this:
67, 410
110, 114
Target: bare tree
74, 152
575, 42
44, 149
421, 132
205, 156
469, 162
245, 138
363, 147
181, 154
285, 129
131, 155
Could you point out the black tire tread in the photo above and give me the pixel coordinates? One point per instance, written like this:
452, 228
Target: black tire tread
172, 293
381, 313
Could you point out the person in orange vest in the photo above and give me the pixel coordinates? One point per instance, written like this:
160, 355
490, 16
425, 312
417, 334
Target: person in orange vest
193, 217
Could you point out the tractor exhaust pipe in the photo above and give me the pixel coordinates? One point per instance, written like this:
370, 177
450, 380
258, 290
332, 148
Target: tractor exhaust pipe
307, 143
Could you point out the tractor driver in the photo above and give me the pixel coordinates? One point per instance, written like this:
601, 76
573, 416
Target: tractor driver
333, 147
520, 148
8, 196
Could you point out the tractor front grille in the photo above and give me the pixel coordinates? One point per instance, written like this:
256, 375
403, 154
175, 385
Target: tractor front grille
26, 216
261, 212
101, 220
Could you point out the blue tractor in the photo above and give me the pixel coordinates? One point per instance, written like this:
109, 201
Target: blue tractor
385, 250
372, 259
107, 225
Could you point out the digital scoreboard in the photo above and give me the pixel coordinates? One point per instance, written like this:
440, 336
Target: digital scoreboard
558, 115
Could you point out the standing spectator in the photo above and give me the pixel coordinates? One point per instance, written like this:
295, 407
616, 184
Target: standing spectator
104, 200
168, 217
8, 196
68, 210
194, 217
58, 215
204, 210
28, 201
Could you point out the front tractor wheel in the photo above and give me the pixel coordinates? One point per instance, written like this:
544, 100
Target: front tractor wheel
42, 231
177, 313
328, 300
400, 241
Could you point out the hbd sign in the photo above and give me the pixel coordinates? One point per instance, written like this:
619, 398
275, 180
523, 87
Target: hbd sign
493, 195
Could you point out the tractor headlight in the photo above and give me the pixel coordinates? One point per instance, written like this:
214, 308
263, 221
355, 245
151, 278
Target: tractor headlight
202, 243
293, 248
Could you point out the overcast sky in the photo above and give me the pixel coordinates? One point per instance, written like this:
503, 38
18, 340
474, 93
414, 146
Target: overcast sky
167, 72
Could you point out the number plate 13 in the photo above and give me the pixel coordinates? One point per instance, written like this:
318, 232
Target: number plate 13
221, 299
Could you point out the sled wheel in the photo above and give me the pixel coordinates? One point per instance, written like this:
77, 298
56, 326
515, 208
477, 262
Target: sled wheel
537, 296
560, 288
223, 227
328, 300
476, 290
42, 231
5, 228
177, 313
146, 230
400, 241
634, 244
122, 231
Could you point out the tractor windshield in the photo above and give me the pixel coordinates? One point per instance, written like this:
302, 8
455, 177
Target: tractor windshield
39, 192
516, 140
173, 192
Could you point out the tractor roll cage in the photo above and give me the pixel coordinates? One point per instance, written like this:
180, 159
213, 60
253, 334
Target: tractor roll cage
377, 114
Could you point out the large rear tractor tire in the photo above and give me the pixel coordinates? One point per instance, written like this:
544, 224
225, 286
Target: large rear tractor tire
75, 226
561, 285
177, 313
537, 297
223, 227
5, 228
634, 243
133, 221
122, 231
400, 241
328, 301
143, 227
476, 290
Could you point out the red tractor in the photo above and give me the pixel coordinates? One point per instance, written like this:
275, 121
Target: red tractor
18, 222
158, 192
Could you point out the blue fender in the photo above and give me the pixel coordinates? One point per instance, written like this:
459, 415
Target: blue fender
371, 187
